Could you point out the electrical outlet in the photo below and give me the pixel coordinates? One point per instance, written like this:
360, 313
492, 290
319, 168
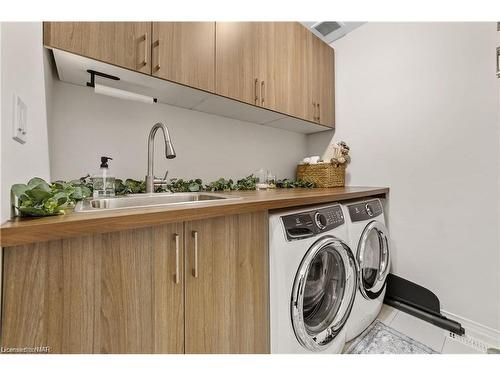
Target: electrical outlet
20, 120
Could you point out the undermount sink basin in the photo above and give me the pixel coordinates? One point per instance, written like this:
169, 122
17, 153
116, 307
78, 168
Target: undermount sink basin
148, 200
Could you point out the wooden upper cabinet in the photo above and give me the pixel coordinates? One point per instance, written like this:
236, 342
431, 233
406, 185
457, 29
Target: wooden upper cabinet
284, 68
298, 72
322, 81
280, 66
226, 292
237, 61
126, 44
184, 52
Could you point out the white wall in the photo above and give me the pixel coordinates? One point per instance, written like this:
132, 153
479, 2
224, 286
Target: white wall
418, 103
85, 126
22, 71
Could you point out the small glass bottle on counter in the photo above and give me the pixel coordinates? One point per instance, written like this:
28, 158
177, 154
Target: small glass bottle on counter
271, 180
261, 180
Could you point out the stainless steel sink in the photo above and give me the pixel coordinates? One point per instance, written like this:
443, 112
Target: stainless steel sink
149, 200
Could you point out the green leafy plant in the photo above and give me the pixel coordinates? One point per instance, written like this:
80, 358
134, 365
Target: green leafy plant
39, 198
84, 182
290, 184
75, 190
220, 185
129, 186
247, 183
179, 185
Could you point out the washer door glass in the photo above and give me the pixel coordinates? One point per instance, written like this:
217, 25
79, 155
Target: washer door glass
324, 289
373, 259
323, 293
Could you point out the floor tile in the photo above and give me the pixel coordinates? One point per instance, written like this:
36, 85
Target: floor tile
452, 346
387, 314
419, 330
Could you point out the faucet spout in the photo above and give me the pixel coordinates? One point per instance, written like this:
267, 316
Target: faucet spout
169, 153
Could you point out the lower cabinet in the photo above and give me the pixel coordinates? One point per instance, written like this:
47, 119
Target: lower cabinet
135, 291
227, 278
107, 293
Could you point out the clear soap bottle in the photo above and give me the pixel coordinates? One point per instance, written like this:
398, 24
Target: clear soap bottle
103, 182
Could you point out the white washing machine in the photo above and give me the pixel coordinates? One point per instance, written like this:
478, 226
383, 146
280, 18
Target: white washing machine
313, 280
369, 239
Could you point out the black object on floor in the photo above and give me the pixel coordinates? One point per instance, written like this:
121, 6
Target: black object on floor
418, 301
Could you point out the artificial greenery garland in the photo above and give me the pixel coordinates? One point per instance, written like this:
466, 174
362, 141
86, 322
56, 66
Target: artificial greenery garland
39, 198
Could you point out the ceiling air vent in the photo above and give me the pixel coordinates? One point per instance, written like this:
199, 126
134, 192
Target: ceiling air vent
330, 31
325, 28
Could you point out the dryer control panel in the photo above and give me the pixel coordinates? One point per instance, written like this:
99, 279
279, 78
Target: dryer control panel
311, 223
365, 210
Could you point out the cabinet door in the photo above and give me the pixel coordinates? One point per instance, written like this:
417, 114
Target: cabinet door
323, 82
42, 287
237, 55
140, 305
109, 293
226, 293
284, 68
184, 52
126, 44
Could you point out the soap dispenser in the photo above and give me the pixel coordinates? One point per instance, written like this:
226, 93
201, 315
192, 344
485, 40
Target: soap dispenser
104, 182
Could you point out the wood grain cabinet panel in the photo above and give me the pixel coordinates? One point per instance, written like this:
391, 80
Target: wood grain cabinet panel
32, 309
227, 299
168, 288
126, 44
107, 293
322, 81
141, 305
237, 61
284, 68
184, 52
49, 295
279, 66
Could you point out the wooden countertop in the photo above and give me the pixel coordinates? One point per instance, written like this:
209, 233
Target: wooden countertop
29, 230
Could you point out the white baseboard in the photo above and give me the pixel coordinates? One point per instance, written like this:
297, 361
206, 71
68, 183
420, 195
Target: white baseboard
488, 335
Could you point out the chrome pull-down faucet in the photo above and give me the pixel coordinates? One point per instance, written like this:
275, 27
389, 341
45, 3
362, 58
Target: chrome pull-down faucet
151, 182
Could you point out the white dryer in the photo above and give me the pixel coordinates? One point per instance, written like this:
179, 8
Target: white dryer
313, 280
369, 238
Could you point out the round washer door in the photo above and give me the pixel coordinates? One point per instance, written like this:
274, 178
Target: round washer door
374, 259
323, 293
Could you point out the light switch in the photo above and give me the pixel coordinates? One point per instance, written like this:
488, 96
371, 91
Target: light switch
20, 120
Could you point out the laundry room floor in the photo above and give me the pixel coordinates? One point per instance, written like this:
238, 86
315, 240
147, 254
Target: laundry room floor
419, 330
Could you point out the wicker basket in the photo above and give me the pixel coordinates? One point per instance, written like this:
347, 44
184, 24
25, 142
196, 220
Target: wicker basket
322, 175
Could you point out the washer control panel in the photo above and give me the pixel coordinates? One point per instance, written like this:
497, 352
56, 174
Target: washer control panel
365, 210
310, 223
